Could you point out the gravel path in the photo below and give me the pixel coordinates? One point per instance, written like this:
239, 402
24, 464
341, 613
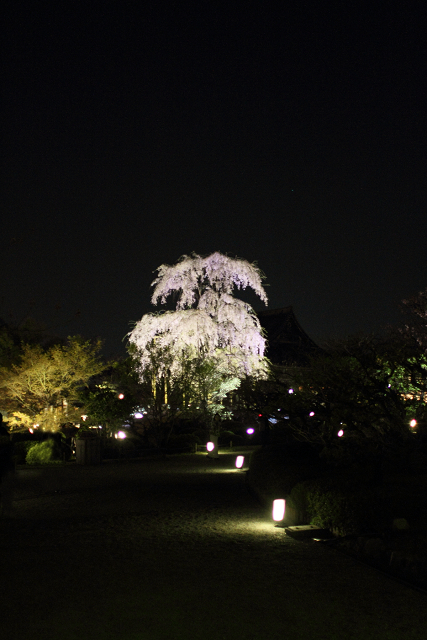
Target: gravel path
177, 549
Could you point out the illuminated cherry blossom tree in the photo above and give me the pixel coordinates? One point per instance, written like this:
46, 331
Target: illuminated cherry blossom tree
210, 342
209, 321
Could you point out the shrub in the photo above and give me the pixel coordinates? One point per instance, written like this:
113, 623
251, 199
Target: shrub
43, 453
346, 500
274, 471
327, 503
20, 450
225, 437
202, 434
113, 449
185, 441
232, 426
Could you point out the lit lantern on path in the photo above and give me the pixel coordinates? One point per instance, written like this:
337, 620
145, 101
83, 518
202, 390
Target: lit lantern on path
278, 510
212, 447
239, 461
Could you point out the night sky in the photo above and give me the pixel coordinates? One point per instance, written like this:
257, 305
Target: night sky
136, 132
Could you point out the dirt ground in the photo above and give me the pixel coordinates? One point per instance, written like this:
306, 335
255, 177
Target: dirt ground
177, 549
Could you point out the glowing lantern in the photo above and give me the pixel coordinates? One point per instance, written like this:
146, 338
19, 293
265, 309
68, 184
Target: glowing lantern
413, 423
121, 396
212, 446
278, 510
239, 461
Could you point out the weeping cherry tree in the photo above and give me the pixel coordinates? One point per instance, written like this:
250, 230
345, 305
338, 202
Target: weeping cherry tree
211, 340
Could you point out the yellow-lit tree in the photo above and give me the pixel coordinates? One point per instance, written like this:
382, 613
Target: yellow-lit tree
41, 387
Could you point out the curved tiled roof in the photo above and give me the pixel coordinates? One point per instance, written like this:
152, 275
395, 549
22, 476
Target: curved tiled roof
288, 344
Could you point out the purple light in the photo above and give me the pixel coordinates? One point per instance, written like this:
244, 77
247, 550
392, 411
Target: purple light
250, 431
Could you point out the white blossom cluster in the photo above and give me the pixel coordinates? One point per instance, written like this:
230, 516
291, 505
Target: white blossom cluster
209, 277
208, 320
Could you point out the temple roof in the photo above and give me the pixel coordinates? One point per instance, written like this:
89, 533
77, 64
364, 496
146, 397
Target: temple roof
287, 342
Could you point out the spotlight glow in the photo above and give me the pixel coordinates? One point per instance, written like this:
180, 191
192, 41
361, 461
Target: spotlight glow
278, 510
340, 433
250, 431
210, 446
413, 423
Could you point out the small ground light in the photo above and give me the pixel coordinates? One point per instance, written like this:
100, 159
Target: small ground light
278, 510
121, 435
250, 431
413, 423
239, 461
210, 446
340, 433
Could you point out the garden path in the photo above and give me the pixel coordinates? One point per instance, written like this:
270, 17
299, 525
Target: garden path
177, 549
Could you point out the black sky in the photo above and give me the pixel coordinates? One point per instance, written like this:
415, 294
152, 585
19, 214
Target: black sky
136, 132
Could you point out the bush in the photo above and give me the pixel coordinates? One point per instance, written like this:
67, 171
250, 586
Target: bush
225, 437
232, 426
274, 471
113, 449
202, 434
331, 504
346, 500
183, 441
20, 450
43, 453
